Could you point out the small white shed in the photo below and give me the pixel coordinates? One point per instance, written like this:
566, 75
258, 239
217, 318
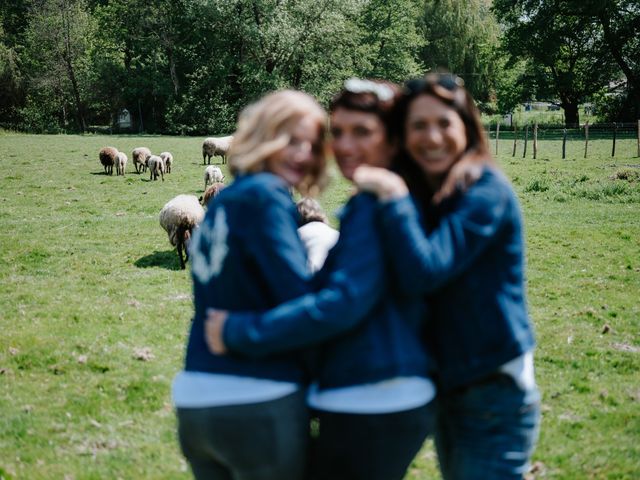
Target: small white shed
124, 119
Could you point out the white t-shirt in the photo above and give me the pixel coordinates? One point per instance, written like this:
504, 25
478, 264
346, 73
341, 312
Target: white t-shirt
387, 396
318, 238
202, 389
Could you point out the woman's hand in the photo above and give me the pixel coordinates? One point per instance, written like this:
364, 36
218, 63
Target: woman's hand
213, 328
385, 184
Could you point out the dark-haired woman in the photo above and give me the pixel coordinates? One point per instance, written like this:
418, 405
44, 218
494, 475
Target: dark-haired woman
371, 389
466, 253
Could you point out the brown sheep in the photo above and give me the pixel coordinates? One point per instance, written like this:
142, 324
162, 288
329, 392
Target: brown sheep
211, 192
108, 157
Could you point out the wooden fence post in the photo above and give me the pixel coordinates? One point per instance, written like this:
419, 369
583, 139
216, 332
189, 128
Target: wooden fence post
497, 135
564, 143
515, 138
535, 140
615, 132
526, 137
639, 138
586, 138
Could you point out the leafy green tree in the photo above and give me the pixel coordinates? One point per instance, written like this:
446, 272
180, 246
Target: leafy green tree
567, 56
392, 39
11, 82
462, 37
57, 42
619, 22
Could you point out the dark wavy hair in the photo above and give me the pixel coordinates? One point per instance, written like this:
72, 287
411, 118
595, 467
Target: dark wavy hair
449, 89
370, 96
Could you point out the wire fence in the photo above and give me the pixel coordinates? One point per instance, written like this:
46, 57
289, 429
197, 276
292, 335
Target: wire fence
622, 139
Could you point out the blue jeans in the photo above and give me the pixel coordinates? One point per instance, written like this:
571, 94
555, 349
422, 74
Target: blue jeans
487, 430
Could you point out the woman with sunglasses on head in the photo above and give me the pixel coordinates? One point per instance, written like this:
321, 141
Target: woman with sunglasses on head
371, 391
241, 418
466, 253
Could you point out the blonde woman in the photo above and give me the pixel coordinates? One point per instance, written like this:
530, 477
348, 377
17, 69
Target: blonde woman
237, 417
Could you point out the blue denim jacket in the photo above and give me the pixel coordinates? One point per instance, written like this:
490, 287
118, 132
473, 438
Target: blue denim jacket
247, 255
379, 327
469, 260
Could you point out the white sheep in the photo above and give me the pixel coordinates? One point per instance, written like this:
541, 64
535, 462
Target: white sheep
121, 163
211, 175
216, 146
179, 217
156, 167
108, 157
139, 158
167, 158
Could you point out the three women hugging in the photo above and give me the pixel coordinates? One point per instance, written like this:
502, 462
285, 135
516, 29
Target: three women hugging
416, 325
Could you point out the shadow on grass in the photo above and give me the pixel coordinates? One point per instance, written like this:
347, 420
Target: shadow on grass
167, 259
105, 174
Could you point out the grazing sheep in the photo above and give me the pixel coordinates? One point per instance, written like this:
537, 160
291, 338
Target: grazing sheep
121, 163
216, 146
212, 174
179, 217
156, 167
167, 158
108, 159
211, 192
139, 157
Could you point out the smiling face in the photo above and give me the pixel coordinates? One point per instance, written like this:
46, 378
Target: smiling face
359, 138
435, 135
296, 160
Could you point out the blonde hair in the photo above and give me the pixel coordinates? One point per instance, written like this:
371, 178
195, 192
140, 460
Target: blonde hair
264, 129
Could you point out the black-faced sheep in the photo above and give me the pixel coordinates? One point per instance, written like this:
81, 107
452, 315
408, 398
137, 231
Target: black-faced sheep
211, 175
179, 217
121, 163
216, 146
167, 158
156, 167
108, 157
211, 192
139, 158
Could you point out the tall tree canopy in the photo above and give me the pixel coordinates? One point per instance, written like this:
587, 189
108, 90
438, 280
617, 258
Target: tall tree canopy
619, 21
461, 37
565, 52
189, 66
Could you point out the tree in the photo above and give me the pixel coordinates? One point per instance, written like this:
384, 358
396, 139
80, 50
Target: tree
566, 54
57, 39
393, 40
462, 37
11, 82
619, 21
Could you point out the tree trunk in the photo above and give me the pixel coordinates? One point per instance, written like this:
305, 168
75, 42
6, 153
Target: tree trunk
571, 116
67, 58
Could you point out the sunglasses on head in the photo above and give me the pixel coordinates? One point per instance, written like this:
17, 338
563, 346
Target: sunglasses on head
383, 92
442, 84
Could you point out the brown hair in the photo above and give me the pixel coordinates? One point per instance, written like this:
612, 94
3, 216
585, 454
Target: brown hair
370, 96
310, 211
449, 89
264, 128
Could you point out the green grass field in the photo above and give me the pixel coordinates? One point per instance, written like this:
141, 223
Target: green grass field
94, 309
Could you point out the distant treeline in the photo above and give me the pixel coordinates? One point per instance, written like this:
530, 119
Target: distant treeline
189, 66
